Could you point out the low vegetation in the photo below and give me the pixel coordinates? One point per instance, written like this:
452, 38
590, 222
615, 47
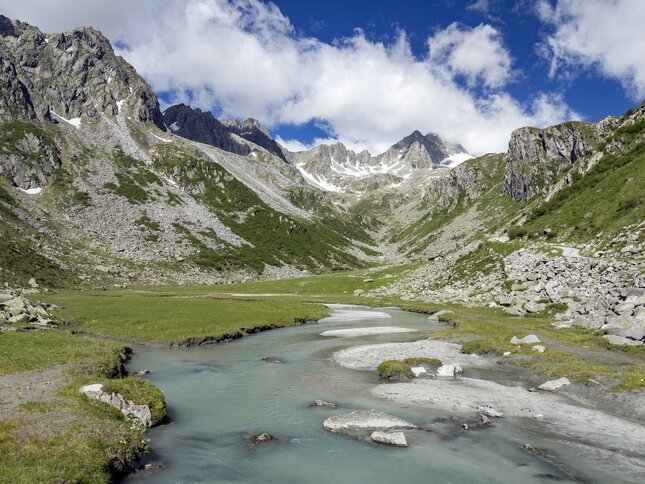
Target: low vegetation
394, 370
57, 434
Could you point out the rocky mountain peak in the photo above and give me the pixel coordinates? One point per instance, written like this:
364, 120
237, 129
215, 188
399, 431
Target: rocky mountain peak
68, 75
203, 127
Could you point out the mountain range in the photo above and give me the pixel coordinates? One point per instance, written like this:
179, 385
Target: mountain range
98, 185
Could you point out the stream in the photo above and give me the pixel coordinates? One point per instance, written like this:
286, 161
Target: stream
219, 395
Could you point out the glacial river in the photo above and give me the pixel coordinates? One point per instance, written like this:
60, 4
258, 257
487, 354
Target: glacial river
219, 395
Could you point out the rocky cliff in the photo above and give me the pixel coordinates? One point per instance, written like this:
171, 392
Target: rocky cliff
69, 76
537, 157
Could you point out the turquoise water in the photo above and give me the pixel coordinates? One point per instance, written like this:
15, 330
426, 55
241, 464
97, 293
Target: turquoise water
218, 395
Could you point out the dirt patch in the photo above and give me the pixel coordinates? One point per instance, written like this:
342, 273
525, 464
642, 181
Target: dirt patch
28, 386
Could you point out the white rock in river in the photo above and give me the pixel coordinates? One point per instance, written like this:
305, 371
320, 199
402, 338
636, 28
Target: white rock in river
449, 370
390, 438
554, 385
353, 332
531, 338
365, 420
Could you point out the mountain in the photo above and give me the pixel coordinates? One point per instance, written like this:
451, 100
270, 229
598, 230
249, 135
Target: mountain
93, 187
196, 125
335, 168
97, 186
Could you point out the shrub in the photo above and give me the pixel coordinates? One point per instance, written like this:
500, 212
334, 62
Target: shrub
432, 363
394, 370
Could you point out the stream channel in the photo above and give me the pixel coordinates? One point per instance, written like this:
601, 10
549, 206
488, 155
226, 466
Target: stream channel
218, 395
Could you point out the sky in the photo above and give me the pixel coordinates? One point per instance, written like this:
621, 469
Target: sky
368, 73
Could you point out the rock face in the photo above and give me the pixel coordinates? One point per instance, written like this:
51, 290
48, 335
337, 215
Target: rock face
29, 155
73, 75
130, 410
197, 125
365, 420
537, 156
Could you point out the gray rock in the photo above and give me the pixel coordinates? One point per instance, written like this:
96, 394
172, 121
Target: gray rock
396, 439
489, 411
261, 438
533, 307
514, 311
140, 413
324, 404
20, 318
620, 341
529, 339
554, 385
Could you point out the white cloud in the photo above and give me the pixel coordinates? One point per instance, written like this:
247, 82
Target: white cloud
477, 53
245, 57
603, 34
479, 6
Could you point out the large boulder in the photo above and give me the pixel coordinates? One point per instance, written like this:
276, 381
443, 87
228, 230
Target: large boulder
140, 413
396, 439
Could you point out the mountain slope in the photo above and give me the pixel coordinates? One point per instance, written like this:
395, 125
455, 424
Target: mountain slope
115, 197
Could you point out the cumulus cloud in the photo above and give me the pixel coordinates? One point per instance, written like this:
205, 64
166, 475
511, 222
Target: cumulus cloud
607, 35
477, 54
245, 58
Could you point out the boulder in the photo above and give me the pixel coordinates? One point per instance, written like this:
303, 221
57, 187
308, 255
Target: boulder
489, 411
620, 341
130, 410
514, 311
529, 339
396, 439
365, 420
533, 307
554, 385
271, 359
261, 438
449, 370
324, 404
539, 348
17, 305
20, 318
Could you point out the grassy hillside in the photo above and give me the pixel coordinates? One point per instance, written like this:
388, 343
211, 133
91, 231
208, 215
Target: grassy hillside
603, 201
277, 238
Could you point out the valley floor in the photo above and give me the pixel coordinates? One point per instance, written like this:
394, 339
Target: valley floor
41, 371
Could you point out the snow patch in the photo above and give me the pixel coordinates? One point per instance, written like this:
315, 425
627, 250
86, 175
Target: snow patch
119, 104
76, 122
172, 182
318, 180
174, 127
456, 159
31, 191
161, 139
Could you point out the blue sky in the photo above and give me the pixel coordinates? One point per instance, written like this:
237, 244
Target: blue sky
588, 93
368, 73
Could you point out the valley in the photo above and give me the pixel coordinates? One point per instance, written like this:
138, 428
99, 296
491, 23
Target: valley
127, 228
